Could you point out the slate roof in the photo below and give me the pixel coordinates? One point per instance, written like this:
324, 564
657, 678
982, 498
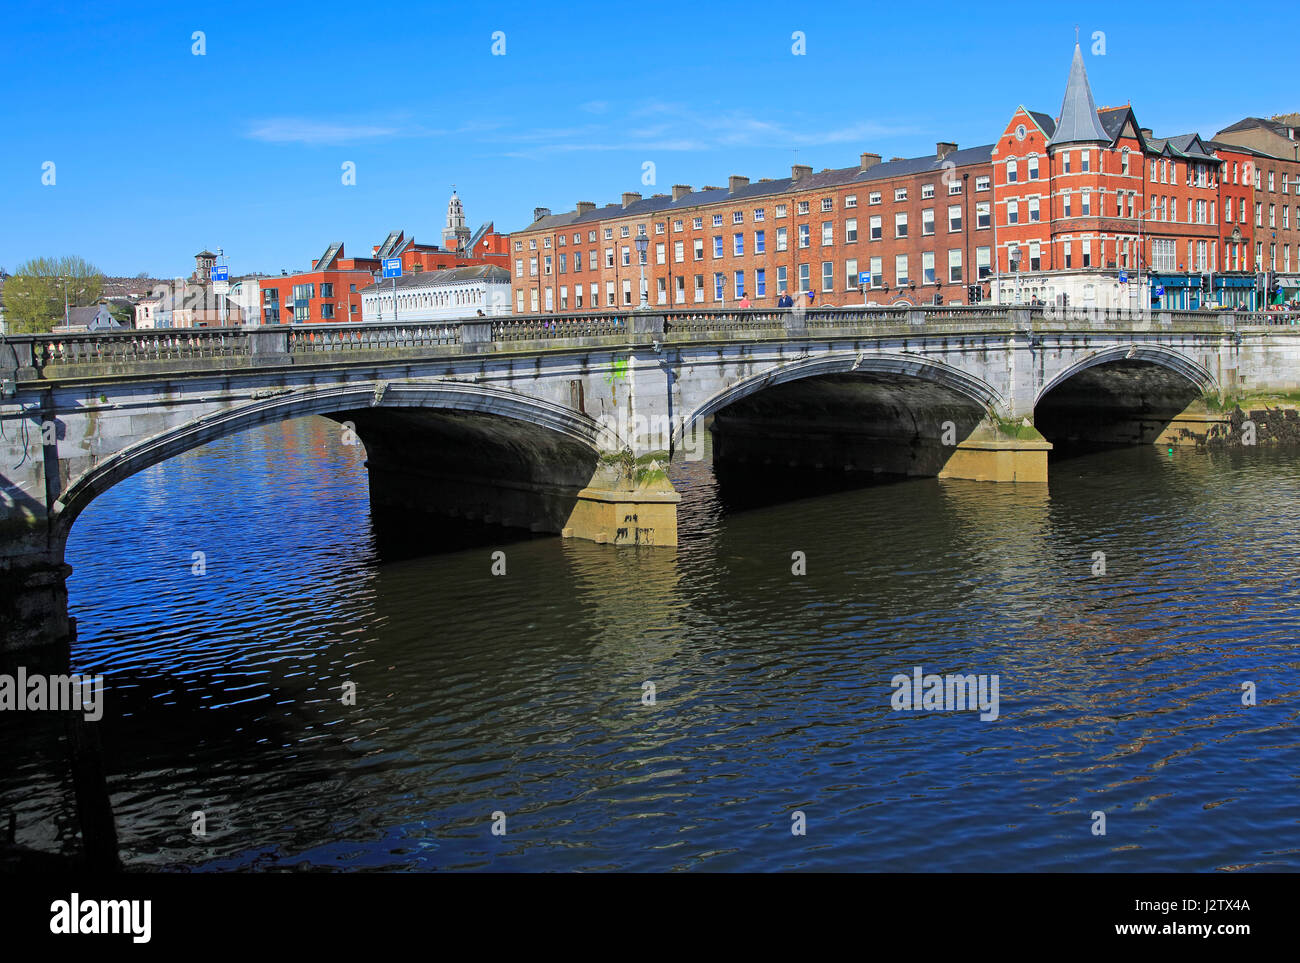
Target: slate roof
835, 177
429, 279
1079, 123
1045, 121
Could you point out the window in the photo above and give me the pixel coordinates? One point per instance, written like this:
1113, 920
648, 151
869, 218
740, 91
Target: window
591, 261
851, 201
780, 210
609, 257
577, 239
519, 267
850, 230
1032, 206
873, 197
1065, 162
532, 266
699, 288
900, 224
659, 227
738, 244
781, 239
591, 239
1087, 253
719, 285
626, 255
546, 264
564, 262
532, 244
519, 295
851, 274
626, 231
679, 289
1035, 256
738, 283
828, 275
697, 224
782, 281
760, 242
900, 193
1068, 259
327, 289
627, 292
760, 283
801, 207
546, 242
1065, 204
717, 220
982, 183
717, 245
900, 270
927, 267
927, 191
828, 204
1259, 221
737, 217
874, 229
983, 263
1011, 171
804, 239
326, 311
519, 246
1123, 161
927, 222
981, 214
550, 299
805, 282
609, 233
1013, 212
1085, 160
677, 225
828, 233
954, 265
1270, 180
1085, 203
758, 214
877, 272
1031, 166
954, 187
954, 218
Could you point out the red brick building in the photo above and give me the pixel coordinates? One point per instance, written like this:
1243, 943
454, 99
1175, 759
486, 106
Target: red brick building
905, 231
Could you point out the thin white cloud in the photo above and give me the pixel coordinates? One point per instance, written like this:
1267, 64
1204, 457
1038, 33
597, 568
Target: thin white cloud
299, 130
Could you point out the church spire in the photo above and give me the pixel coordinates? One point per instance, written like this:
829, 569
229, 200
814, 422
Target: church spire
1078, 123
456, 233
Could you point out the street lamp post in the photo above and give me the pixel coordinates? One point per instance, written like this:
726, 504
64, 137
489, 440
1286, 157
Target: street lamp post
642, 243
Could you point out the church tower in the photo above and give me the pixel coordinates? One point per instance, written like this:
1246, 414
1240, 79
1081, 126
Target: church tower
455, 235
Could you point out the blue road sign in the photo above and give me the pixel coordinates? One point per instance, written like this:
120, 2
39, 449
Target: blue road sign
1160, 289
221, 272
1123, 278
392, 267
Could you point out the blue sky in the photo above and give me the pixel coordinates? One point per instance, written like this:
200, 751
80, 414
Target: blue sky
159, 153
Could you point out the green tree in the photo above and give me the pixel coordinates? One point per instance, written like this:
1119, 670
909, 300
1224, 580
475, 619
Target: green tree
34, 293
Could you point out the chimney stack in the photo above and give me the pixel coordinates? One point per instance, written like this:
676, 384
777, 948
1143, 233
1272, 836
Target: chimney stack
680, 191
630, 198
1146, 132
735, 182
868, 160
585, 207
541, 212
943, 149
799, 171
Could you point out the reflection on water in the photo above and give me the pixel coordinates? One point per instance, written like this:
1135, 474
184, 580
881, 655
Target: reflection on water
523, 693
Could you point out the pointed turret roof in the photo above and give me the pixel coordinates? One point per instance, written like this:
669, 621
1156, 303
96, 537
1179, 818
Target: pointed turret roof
1078, 123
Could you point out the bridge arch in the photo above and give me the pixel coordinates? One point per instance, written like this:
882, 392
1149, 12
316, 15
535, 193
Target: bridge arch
329, 401
921, 368
1200, 376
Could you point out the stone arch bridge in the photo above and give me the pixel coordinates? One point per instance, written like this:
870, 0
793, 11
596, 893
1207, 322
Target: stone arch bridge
565, 423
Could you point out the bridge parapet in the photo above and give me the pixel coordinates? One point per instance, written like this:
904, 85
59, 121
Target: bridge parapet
183, 350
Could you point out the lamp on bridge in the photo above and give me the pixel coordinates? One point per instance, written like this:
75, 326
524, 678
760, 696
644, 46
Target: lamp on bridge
642, 243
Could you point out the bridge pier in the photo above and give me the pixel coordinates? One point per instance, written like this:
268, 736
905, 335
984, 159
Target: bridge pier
33, 592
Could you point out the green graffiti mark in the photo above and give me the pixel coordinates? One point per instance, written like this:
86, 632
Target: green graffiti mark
618, 372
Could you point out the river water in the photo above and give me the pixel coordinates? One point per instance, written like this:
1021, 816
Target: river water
523, 694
